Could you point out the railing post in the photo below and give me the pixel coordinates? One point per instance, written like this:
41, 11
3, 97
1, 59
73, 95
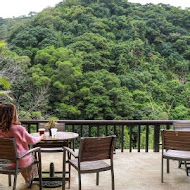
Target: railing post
114, 129
106, 130
81, 132
28, 128
167, 127
147, 138
73, 130
89, 130
37, 127
130, 138
122, 139
98, 131
139, 138
156, 137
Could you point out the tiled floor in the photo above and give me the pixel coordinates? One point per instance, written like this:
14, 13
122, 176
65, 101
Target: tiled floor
133, 171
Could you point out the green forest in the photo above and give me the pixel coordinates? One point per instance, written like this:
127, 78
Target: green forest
98, 60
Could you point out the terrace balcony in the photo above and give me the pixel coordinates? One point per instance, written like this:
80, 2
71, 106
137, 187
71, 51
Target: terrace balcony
135, 168
133, 171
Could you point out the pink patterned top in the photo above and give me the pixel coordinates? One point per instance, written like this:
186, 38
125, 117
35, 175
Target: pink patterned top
22, 139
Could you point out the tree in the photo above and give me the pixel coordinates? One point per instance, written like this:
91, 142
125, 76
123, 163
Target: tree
16, 86
4, 90
100, 60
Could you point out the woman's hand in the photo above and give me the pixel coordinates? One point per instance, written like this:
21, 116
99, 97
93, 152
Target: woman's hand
42, 137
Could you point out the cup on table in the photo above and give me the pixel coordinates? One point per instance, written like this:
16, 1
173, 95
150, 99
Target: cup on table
41, 131
53, 133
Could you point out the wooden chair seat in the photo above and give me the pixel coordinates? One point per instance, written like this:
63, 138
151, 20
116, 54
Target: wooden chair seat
4, 163
177, 155
91, 166
4, 170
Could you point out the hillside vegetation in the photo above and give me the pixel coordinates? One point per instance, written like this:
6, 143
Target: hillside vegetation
101, 59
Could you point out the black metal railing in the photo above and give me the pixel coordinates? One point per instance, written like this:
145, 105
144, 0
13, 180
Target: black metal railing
131, 134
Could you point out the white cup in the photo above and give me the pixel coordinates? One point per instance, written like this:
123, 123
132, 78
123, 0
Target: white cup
53, 133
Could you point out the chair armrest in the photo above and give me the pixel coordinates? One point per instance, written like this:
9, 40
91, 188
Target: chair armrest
70, 151
37, 149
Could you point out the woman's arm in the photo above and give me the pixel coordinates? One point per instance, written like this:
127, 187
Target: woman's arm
28, 138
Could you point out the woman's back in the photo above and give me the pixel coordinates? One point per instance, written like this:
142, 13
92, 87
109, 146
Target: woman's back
22, 139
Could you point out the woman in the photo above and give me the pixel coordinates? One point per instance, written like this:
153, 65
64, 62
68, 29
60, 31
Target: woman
11, 127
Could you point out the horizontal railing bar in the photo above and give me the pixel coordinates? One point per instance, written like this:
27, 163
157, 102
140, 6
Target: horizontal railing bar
104, 122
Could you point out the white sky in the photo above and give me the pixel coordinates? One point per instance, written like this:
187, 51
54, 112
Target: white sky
15, 8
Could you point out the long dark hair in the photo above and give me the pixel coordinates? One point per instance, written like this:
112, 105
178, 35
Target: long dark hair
7, 116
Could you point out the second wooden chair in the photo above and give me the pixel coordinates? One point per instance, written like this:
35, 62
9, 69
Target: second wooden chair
92, 152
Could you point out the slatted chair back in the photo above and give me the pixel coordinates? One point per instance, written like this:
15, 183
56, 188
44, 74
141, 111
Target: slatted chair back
8, 149
182, 125
176, 140
97, 148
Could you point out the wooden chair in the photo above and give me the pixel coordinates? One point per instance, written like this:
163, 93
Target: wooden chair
176, 145
8, 154
92, 152
182, 126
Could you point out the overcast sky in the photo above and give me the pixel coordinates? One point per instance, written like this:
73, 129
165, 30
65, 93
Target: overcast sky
10, 8
15, 8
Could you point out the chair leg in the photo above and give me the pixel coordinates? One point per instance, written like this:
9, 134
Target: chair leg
9, 179
64, 167
69, 184
168, 166
97, 178
162, 168
112, 176
63, 179
79, 176
40, 179
179, 165
15, 180
39, 166
69, 168
186, 168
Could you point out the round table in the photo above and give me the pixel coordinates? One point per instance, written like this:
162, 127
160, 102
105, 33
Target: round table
61, 136
49, 144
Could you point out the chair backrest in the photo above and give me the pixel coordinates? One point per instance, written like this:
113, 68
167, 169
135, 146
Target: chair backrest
182, 125
176, 140
96, 148
8, 149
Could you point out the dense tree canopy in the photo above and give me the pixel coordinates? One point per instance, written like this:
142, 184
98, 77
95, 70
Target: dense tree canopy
99, 60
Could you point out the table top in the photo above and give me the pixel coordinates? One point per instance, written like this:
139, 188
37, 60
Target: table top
61, 136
